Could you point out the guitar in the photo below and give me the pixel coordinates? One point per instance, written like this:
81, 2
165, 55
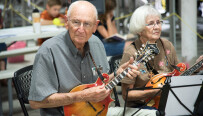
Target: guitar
101, 108
159, 79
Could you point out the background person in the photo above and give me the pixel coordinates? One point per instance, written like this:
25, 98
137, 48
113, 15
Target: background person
52, 11
3, 62
107, 28
3, 47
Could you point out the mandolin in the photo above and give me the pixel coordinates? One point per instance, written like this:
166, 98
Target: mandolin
100, 108
159, 79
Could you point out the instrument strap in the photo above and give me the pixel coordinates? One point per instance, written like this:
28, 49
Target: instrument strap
98, 71
174, 66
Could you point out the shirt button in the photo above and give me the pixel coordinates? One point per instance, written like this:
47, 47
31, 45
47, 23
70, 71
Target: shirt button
82, 62
84, 76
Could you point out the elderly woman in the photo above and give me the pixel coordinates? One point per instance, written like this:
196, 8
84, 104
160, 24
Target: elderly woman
146, 23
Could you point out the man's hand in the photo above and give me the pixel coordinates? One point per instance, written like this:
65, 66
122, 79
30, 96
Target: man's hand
95, 94
131, 73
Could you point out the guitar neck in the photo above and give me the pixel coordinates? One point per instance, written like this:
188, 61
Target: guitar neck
119, 77
192, 69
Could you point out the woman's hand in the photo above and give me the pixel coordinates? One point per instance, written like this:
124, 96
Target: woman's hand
131, 73
109, 16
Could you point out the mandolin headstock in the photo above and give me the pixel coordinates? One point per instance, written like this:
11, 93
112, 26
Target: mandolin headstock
147, 52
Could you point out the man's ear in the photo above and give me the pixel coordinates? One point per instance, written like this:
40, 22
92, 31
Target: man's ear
66, 21
96, 25
66, 24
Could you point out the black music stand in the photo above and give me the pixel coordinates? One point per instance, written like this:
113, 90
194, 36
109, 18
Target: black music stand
144, 88
199, 103
166, 90
178, 97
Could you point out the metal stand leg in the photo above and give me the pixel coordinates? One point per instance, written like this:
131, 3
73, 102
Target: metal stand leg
10, 97
1, 110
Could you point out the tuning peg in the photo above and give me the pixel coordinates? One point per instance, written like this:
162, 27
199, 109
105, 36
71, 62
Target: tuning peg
136, 55
139, 52
153, 57
143, 45
149, 58
141, 49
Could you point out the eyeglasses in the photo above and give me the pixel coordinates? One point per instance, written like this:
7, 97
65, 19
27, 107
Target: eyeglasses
152, 24
77, 23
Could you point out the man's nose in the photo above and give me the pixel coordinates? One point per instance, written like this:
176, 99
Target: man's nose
81, 28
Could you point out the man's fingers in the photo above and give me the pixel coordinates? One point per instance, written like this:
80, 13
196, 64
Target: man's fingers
131, 60
127, 63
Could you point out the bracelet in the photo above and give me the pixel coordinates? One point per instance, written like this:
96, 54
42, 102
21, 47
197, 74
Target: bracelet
114, 73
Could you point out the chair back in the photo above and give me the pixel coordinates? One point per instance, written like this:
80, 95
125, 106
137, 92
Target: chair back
22, 81
114, 62
114, 65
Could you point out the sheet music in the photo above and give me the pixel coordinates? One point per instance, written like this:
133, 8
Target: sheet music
187, 95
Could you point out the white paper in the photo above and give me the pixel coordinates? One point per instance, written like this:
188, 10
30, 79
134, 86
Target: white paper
187, 95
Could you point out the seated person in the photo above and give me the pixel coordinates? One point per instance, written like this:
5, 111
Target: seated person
68, 60
3, 47
52, 11
146, 22
107, 28
3, 62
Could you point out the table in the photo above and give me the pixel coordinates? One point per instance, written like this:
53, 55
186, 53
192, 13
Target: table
20, 51
26, 33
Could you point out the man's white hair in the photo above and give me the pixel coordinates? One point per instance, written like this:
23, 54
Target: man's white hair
138, 19
74, 4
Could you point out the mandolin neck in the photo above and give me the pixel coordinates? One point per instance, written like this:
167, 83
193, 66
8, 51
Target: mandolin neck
192, 69
119, 77
142, 56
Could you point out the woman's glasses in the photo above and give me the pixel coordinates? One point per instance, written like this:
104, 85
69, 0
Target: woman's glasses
152, 24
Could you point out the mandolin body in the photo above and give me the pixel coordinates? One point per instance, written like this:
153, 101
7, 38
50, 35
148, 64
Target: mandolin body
159, 80
84, 108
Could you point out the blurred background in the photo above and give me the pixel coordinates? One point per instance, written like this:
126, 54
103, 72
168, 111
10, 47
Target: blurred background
181, 17
183, 26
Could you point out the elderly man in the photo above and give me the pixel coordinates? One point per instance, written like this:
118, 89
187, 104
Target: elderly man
68, 60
